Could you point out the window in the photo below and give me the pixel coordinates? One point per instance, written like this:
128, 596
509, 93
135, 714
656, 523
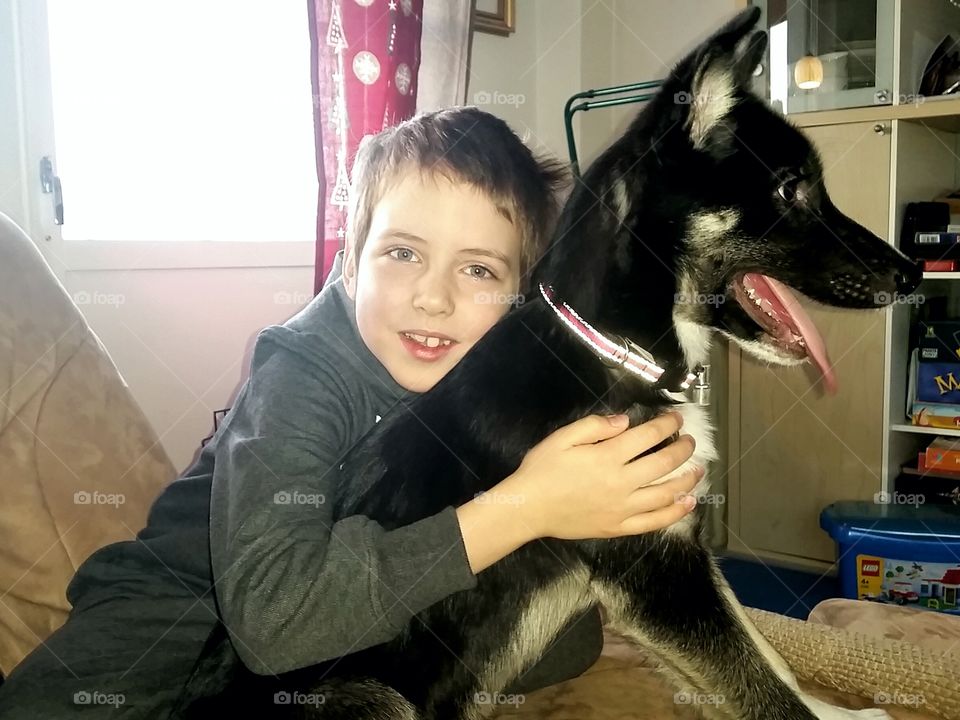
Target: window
186, 120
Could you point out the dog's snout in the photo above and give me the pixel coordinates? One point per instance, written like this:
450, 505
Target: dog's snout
908, 278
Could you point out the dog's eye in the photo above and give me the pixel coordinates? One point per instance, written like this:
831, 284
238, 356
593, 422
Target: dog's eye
789, 190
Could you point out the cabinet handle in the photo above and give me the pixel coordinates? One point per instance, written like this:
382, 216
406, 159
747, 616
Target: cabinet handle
880, 129
882, 95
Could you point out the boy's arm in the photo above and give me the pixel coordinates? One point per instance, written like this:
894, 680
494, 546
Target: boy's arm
294, 587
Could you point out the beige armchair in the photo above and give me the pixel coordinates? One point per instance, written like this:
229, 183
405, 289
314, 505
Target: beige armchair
79, 463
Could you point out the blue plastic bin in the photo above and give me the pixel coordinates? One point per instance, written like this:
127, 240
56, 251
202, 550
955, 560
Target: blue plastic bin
902, 554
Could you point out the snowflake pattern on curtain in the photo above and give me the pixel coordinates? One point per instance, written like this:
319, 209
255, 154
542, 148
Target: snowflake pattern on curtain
367, 55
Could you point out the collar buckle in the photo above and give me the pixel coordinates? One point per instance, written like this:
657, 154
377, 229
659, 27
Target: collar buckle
699, 382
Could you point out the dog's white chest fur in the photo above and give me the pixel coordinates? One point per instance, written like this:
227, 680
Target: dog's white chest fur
696, 422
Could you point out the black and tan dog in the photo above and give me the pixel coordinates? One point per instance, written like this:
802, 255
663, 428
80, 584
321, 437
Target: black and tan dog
708, 194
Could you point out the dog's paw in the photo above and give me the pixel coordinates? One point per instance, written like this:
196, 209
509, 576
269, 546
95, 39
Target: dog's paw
870, 714
826, 711
844, 714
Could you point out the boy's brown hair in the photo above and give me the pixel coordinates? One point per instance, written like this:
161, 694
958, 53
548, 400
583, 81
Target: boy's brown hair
467, 145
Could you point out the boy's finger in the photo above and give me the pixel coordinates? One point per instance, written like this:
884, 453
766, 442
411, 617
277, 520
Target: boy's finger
641, 438
654, 520
589, 429
664, 461
654, 497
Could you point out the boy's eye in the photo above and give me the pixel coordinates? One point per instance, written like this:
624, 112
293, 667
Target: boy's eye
407, 254
483, 273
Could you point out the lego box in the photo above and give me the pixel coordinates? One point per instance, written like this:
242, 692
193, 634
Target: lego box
897, 550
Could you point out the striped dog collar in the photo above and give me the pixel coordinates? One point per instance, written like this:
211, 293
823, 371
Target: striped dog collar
618, 351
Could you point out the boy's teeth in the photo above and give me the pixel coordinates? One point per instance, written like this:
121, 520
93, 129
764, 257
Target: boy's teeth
430, 342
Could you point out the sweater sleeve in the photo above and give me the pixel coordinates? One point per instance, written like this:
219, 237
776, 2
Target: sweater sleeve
295, 585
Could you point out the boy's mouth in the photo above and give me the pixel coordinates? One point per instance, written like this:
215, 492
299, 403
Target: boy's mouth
427, 348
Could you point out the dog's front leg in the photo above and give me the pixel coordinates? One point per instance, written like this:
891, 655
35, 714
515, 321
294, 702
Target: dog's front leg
821, 709
665, 593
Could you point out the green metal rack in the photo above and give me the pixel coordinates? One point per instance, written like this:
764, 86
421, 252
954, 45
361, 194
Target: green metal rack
570, 109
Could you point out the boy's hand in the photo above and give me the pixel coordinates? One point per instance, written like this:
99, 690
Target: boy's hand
578, 482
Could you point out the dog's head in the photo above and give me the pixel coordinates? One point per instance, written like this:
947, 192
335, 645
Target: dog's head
758, 219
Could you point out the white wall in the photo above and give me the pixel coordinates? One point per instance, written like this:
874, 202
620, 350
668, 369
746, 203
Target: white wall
182, 339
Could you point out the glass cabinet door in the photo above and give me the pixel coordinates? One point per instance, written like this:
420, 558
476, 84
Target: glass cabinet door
828, 54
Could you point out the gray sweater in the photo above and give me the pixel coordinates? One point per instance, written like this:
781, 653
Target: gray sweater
294, 585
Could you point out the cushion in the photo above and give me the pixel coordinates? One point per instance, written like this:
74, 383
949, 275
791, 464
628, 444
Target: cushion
934, 631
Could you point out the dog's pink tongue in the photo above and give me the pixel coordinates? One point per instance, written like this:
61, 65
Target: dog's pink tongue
805, 327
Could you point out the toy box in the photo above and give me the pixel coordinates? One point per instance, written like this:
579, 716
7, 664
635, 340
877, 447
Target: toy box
942, 454
898, 550
938, 383
928, 414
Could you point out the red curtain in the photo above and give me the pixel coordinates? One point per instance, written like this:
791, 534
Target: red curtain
365, 55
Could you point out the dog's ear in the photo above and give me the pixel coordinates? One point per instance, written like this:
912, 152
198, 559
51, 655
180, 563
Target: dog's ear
719, 68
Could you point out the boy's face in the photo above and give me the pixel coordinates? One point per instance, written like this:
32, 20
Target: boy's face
439, 261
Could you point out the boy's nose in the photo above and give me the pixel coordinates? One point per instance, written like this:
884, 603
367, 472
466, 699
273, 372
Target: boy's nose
433, 298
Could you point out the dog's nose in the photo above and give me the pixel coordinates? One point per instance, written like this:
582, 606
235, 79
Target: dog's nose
908, 280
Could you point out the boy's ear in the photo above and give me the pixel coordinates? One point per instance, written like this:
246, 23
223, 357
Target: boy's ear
350, 272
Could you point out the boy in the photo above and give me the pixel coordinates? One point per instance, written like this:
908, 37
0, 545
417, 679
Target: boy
447, 208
